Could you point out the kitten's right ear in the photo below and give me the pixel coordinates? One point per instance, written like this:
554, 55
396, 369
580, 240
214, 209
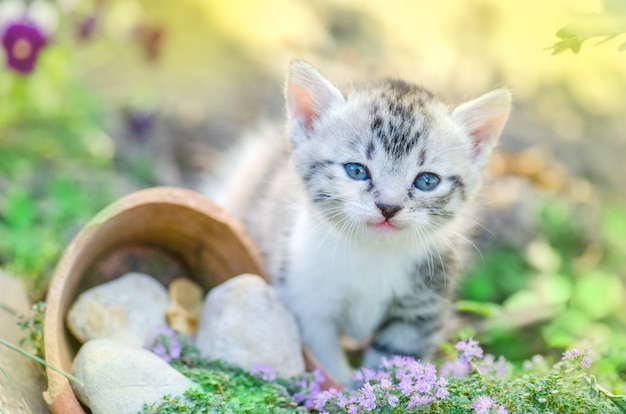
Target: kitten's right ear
309, 95
483, 119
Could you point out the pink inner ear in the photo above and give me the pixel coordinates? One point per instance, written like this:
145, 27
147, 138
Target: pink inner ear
487, 132
301, 105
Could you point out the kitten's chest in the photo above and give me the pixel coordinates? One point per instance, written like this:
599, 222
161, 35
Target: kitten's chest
354, 285
368, 290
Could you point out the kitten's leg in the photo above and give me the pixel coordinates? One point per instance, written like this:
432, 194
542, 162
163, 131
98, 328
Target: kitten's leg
408, 330
321, 336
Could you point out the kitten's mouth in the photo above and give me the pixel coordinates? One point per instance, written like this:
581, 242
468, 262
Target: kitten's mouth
384, 226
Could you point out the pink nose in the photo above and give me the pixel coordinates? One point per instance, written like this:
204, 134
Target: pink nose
387, 210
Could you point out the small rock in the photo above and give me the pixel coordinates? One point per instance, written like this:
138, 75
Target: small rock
127, 309
185, 306
244, 322
119, 378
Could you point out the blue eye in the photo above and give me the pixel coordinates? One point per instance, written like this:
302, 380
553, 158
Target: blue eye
426, 181
356, 171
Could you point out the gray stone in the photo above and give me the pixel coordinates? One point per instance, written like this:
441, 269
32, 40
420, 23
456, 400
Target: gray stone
21, 379
120, 378
244, 322
127, 309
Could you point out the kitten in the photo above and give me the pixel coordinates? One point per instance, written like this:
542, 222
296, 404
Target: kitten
362, 216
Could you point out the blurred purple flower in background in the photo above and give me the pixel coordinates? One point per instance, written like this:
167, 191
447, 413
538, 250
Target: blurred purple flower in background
22, 42
140, 122
87, 25
25, 30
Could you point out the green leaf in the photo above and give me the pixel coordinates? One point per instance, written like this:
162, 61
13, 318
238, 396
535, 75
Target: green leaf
19, 209
522, 299
487, 309
568, 43
598, 295
564, 330
555, 290
608, 24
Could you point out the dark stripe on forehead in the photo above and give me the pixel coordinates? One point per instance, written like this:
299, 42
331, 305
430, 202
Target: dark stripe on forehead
400, 89
398, 116
422, 157
369, 152
397, 132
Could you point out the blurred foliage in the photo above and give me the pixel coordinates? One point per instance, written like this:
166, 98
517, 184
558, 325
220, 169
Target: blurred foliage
608, 24
57, 163
566, 286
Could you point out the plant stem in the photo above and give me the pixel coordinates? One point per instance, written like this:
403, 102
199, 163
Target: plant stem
219, 386
42, 362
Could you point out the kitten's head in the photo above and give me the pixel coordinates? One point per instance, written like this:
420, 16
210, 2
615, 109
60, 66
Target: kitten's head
388, 157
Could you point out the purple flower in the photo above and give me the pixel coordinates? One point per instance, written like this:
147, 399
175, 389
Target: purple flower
575, 357
161, 351
586, 362
385, 382
455, 368
264, 371
310, 387
442, 391
87, 27
571, 354
406, 386
368, 398
166, 343
393, 400
492, 365
399, 382
321, 399
140, 122
22, 42
467, 350
365, 374
484, 404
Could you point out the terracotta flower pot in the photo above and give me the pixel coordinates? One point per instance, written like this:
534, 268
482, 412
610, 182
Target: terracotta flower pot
165, 232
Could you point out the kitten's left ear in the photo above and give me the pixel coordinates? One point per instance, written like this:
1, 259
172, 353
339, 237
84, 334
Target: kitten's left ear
309, 95
483, 119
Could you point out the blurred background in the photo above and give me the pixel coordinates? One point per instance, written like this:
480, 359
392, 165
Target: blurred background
99, 98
